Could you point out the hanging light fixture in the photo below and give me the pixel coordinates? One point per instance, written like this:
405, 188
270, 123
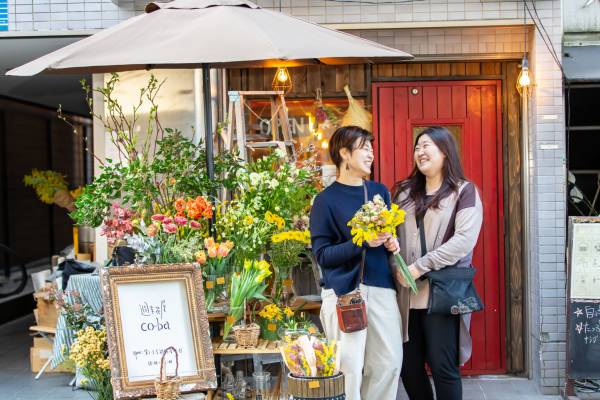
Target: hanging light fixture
524, 79
282, 80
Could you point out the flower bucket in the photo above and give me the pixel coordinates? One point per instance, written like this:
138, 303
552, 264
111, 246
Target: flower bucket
269, 330
320, 387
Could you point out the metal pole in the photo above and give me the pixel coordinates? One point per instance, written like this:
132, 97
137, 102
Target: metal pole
208, 138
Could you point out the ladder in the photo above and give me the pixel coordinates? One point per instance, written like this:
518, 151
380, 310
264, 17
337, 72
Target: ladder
236, 121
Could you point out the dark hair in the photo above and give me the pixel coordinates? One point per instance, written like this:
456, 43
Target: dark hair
344, 138
452, 172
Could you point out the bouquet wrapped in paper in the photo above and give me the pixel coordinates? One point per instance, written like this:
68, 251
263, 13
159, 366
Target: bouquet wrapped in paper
375, 217
309, 356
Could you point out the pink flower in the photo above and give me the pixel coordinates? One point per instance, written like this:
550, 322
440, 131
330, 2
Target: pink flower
167, 220
152, 230
223, 251
195, 224
157, 217
170, 228
181, 220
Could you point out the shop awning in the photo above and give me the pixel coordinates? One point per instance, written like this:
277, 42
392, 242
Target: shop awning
582, 63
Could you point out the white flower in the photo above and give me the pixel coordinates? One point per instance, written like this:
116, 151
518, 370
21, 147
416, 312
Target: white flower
280, 153
290, 179
287, 190
277, 208
274, 183
254, 178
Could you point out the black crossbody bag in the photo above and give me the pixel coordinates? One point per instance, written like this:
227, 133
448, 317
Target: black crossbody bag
451, 289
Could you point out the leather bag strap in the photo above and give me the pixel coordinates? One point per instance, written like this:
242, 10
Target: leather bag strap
364, 252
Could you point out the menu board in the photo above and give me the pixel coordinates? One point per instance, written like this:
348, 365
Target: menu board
584, 339
583, 304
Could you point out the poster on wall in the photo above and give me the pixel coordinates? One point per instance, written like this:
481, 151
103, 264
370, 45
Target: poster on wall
148, 309
585, 258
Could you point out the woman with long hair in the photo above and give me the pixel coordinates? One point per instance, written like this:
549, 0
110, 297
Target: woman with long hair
439, 200
371, 358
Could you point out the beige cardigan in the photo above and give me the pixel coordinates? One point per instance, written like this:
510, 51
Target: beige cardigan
458, 249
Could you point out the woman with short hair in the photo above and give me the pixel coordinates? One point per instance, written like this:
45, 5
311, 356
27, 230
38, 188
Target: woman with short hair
370, 359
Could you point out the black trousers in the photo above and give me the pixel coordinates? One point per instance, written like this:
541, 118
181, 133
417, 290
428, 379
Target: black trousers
433, 340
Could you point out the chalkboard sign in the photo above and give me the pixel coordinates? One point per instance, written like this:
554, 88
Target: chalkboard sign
583, 304
584, 339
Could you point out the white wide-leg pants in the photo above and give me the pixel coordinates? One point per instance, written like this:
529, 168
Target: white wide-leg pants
371, 359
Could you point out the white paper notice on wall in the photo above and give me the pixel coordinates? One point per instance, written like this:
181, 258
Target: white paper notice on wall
154, 316
585, 259
549, 146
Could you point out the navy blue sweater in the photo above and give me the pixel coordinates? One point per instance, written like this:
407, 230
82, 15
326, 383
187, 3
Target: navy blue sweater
332, 245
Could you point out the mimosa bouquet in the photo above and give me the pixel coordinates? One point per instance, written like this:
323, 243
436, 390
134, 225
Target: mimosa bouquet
246, 285
375, 217
309, 356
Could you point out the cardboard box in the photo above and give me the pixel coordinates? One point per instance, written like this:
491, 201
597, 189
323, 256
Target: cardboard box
40, 353
47, 312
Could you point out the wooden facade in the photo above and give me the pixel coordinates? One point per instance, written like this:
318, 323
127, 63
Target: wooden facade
360, 78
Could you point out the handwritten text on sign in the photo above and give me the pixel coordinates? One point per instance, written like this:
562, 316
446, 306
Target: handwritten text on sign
587, 322
154, 316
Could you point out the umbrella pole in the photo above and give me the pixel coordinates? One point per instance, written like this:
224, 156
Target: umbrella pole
208, 137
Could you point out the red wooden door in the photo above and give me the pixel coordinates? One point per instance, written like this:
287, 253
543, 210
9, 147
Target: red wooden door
471, 111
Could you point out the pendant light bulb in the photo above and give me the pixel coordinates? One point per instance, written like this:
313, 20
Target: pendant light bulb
524, 78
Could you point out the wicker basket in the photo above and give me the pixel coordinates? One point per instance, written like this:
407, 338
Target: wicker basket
167, 387
246, 335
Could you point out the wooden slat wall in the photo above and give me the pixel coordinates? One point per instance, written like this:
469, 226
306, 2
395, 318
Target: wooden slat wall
331, 80
305, 80
512, 191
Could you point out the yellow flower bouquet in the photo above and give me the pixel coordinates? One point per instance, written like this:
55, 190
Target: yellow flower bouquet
375, 217
270, 318
284, 253
90, 354
246, 285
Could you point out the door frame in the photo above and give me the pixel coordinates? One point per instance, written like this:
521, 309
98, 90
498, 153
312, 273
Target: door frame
501, 184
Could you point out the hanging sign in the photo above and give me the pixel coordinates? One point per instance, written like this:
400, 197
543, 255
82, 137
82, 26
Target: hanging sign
3, 15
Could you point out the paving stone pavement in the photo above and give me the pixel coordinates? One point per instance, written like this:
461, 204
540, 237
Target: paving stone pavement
17, 381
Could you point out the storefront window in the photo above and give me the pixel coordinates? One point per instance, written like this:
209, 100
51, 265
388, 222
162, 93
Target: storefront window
311, 123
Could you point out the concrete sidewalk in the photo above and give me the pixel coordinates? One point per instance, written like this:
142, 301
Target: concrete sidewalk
18, 383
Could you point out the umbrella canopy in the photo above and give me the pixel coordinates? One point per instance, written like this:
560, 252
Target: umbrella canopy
221, 34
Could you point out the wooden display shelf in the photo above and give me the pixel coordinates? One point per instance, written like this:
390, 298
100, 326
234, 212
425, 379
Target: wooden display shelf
308, 306
263, 347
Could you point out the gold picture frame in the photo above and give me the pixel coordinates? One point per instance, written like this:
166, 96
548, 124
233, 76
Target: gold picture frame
131, 294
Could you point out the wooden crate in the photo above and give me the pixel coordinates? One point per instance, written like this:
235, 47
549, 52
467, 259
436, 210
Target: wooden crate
40, 353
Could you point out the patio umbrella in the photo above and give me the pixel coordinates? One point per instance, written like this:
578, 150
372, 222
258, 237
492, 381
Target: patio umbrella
204, 33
